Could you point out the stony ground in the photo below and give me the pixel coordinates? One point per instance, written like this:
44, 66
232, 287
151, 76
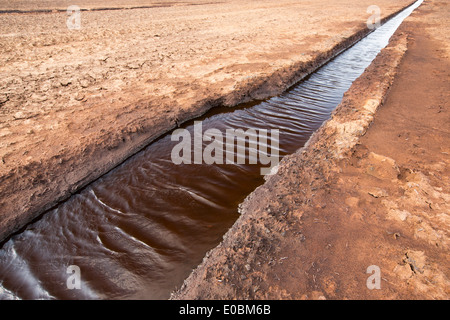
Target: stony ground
367, 199
75, 103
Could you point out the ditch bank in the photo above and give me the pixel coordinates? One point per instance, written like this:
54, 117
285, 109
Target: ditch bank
337, 207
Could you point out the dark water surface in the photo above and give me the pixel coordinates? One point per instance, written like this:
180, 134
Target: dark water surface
137, 232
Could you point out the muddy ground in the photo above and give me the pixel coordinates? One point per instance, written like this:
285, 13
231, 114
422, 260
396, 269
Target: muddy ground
75, 103
370, 189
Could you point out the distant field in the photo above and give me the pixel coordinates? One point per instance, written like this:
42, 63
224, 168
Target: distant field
42, 5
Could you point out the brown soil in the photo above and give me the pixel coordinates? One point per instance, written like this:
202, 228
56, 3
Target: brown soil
26, 6
75, 103
368, 189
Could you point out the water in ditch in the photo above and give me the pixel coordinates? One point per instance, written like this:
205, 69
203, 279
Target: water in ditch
137, 232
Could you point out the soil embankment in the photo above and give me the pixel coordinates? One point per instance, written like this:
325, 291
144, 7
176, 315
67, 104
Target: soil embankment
76, 103
371, 188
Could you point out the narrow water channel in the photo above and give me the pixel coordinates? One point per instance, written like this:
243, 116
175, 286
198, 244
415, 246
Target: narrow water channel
137, 232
